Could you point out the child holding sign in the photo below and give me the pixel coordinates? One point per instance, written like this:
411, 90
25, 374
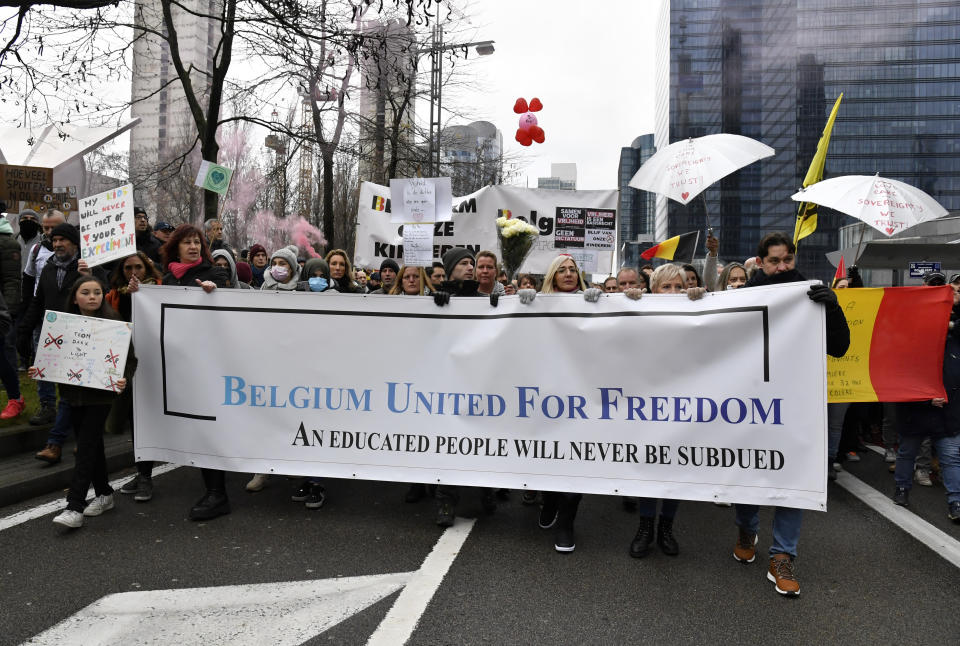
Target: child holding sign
89, 408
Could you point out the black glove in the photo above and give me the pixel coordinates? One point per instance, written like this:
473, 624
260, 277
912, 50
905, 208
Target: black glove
823, 295
494, 300
441, 298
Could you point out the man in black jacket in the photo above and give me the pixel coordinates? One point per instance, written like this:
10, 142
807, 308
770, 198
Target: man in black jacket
776, 264
53, 285
146, 242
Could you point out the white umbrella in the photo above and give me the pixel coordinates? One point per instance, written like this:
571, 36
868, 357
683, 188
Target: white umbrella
682, 170
887, 205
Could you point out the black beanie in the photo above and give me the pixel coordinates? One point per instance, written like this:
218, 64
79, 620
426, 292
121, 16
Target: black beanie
67, 231
452, 257
391, 263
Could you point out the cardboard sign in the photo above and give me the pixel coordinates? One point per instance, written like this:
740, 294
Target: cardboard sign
60, 198
107, 229
82, 350
421, 199
214, 177
24, 184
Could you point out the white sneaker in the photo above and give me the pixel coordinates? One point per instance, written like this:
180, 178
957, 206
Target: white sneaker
257, 482
99, 505
889, 455
922, 478
69, 518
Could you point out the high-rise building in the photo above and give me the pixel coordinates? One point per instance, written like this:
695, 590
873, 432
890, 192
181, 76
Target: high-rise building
472, 156
166, 126
562, 176
772, 69
637, 208
387, 96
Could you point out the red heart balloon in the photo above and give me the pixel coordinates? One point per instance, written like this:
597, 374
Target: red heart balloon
523, 138
537, 134
520, 106
535, 105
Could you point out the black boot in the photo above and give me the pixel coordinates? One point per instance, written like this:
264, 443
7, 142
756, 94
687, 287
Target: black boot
640, 546
548, 511
564, 540
214, 503
415, 493
488, 500
668, 544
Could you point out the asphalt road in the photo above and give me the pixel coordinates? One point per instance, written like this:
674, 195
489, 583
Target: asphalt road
863, 580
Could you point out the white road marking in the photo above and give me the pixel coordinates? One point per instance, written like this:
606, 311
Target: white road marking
58, 505
941, 543
281, 614
401, 621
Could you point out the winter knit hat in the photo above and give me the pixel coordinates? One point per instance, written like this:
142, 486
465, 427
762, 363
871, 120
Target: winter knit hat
289, 255
255, 249
67, 231
453, 256
312, 265
244, 273
391, 263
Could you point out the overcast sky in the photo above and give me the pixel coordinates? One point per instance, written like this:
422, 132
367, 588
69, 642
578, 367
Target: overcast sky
590, 63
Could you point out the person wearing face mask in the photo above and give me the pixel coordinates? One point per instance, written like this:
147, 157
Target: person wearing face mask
284, 271
29, 234
223, 259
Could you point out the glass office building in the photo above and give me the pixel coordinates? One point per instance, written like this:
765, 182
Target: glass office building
772, 69
637, 208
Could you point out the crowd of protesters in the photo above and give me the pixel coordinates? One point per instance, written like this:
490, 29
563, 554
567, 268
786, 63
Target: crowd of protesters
41, 269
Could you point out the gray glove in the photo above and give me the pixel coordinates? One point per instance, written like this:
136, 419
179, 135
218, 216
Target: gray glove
526, 295
592, 294
634, 293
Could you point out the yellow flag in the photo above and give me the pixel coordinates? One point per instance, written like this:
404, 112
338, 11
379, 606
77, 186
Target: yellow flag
807, 213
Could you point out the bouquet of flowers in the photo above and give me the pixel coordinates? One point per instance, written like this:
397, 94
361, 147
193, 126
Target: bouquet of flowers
516, 238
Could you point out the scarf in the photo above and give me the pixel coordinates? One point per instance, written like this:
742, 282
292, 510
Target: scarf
257, 275
178, 269
759, 278
63, 266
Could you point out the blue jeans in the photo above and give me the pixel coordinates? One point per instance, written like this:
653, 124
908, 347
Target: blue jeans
835, 415
61, 425
948, 448
786, 526
648, 507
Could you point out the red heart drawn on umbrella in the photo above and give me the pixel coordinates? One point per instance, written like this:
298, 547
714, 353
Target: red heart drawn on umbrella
684, 195
86, 237
889, 231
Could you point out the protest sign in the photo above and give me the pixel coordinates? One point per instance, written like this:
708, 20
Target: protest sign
473, 225
82, 350
60, 198
420, 199
24, 184
418, 245
107, 228
730, 404
214, 177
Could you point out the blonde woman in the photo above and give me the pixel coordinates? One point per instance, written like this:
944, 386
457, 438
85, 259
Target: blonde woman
411, 281
666, 279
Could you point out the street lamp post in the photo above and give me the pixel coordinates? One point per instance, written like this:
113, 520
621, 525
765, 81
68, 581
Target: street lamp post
436, 49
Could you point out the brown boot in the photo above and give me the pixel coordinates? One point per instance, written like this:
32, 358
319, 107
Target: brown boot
50, 454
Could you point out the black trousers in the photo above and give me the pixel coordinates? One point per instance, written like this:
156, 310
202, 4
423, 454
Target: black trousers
91, 465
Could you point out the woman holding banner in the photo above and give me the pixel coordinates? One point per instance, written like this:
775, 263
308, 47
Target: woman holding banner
89, 408
666, 279
411, 281
189, 264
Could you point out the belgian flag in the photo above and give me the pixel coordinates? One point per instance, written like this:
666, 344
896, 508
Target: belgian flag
678, 247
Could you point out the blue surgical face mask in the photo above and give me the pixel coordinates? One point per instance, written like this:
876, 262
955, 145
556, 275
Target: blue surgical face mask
279, 273
318, 284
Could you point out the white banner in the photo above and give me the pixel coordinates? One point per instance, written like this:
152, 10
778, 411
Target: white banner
719, 399
579, 223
